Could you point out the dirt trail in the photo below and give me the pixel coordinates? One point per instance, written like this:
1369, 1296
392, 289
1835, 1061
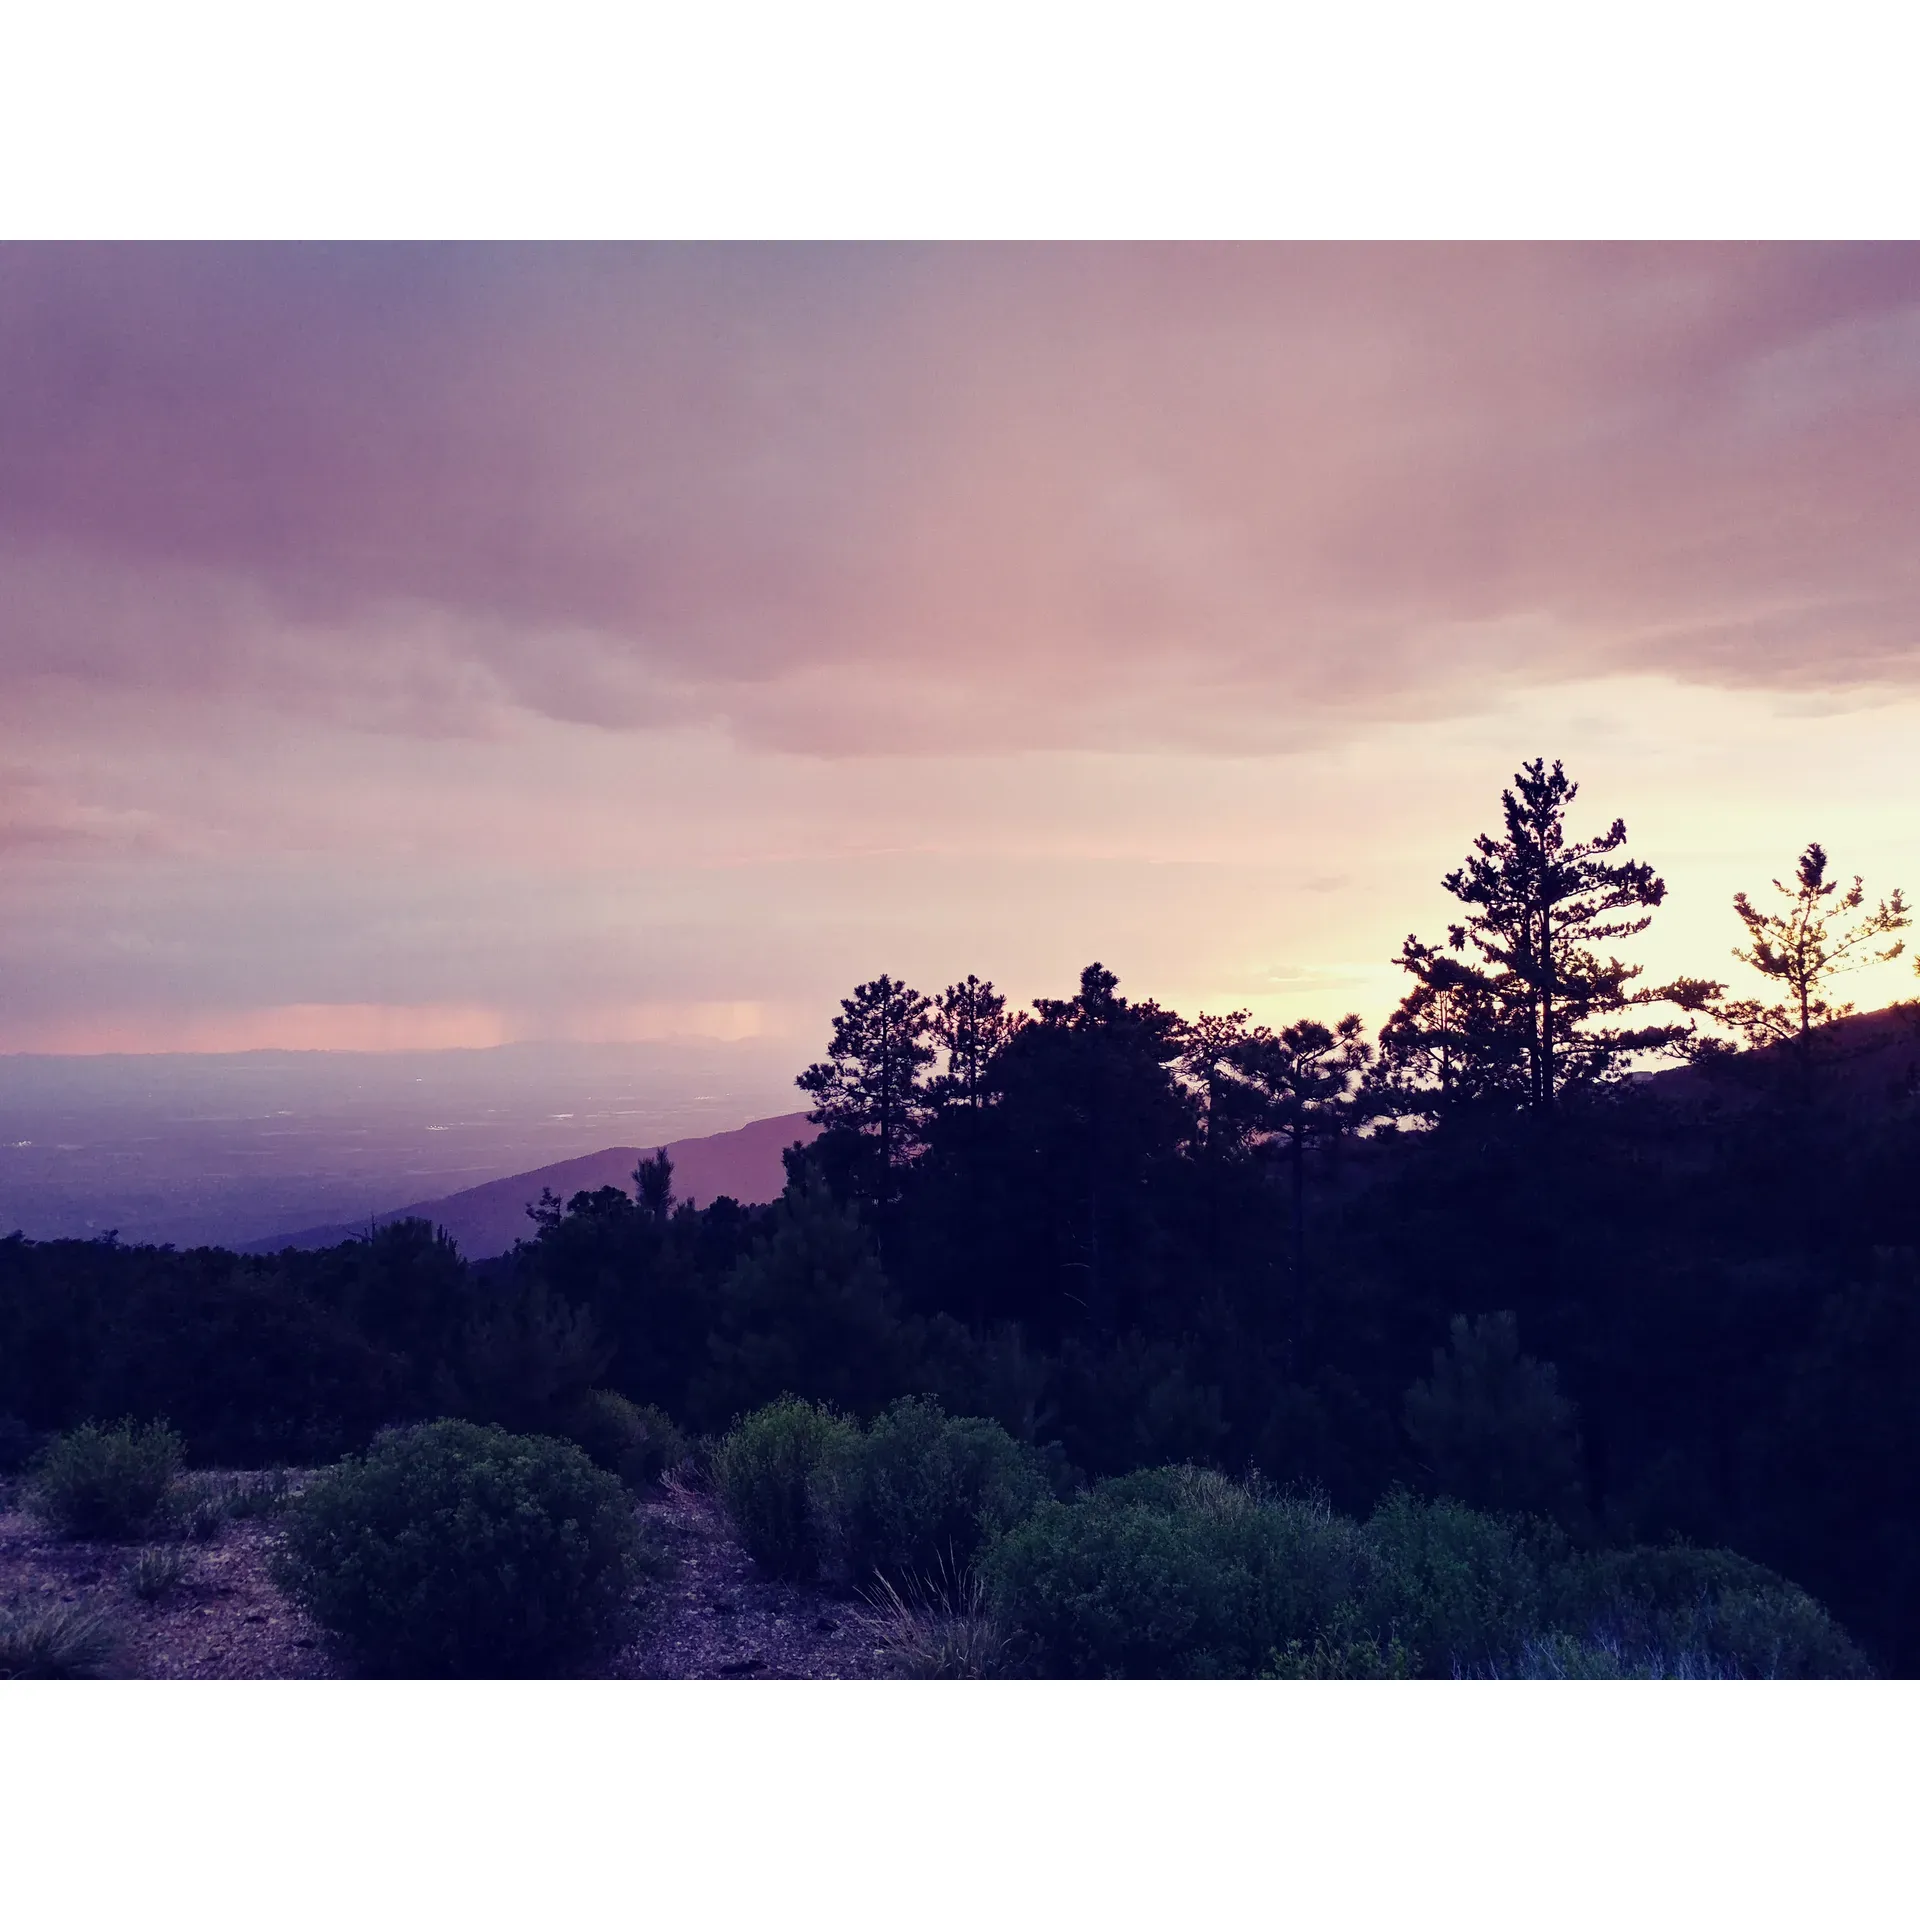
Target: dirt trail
715, 1617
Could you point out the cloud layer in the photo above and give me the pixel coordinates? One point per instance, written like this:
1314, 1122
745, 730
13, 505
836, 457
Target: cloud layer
842, 500
346, 592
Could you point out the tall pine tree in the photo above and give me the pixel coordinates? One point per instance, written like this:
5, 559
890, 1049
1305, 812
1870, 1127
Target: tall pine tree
869, 1092
1531, 1007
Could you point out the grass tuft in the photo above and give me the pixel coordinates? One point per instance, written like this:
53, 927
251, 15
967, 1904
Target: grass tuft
940, 1629
54, 1642
157, 1574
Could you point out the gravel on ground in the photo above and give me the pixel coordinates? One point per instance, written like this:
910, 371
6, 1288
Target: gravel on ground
708, 1616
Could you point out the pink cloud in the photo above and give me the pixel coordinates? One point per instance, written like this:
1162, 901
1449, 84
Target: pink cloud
443, 641
840, 499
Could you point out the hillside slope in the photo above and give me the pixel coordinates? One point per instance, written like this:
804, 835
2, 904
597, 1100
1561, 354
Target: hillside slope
488, 1219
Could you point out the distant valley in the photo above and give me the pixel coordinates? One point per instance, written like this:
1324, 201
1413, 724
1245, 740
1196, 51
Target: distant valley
229, 1149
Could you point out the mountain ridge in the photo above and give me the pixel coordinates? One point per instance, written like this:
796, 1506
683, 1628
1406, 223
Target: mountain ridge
487, 1219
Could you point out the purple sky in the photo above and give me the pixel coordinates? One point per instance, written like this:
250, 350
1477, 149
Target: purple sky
440, 645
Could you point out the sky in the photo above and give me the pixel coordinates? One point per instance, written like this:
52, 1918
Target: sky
445, 646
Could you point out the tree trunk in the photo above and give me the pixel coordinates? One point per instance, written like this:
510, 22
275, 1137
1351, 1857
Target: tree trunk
1299, 1158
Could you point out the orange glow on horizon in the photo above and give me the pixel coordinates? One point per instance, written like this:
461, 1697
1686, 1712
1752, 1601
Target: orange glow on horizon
372, 1028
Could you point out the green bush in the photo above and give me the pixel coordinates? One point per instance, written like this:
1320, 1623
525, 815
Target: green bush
764, 1473
916, 1496
1172, 1572
1457, 1588
1692, 1609
54, 1642
638, 1443
1344, 1648
106, 1483
454, 1550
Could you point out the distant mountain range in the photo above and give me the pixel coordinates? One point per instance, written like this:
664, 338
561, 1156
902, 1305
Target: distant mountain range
488, 1219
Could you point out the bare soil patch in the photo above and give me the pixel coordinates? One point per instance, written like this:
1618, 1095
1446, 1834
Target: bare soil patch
710, 1616
716, 1618
225, 1621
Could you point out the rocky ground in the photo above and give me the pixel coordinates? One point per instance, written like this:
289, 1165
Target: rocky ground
708, 1616
714, 1618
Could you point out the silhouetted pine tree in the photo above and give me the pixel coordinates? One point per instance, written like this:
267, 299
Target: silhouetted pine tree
1532, 1013
972, 1026
1804, 947
1309, 1078
869, 1090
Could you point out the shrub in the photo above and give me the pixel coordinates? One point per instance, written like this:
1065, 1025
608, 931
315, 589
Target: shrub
106, 1483
54, 1642
451, 1550
1457, 1588
916, 1496
1172, 1572
157, 1574
1686, 1609
764, 1473
1343, 1649
637, 1443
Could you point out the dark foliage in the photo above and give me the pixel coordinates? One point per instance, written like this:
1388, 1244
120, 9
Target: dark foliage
638, 1443
807, 1310
1491, 1426
766, 1471
451, 1550
17, 1443
1176, 1573
252, 1371
919, 1494
1731, 1615
106, 1482
1458, 1589
1172, 1573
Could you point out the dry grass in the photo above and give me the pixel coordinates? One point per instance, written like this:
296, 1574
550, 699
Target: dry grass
157, 1574
54, 1641
940, 1630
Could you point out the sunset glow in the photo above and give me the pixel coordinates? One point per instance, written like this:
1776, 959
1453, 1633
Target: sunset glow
436, 647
